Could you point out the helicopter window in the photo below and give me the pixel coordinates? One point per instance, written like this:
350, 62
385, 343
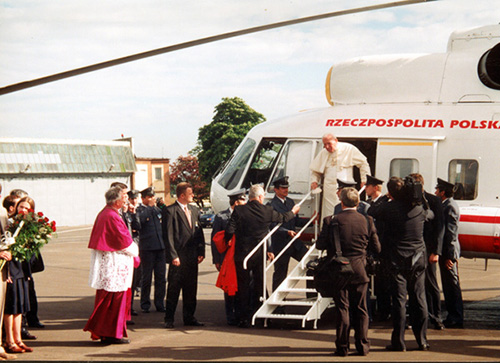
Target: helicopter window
263, 162
294, 163
403, 167
464, 174
232, 175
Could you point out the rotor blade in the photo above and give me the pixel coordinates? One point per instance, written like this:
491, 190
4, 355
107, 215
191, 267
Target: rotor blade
75, 72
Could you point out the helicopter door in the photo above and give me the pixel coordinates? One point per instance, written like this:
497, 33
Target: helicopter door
403, 157
294, 162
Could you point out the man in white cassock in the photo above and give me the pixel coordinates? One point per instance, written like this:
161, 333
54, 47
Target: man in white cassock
335, 161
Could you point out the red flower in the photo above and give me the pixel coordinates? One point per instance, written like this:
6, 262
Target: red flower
46, 219
31, 210
40, 214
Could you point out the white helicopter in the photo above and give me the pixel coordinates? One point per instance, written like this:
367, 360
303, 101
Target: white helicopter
435, 114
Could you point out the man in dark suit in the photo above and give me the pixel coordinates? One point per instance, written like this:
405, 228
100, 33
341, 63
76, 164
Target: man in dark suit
220, 223
250, 223
357, 235
185, 250
433, 238
151, 251
405, 220
448, 263
282, 204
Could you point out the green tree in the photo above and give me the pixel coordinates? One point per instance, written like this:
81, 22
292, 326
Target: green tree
217, 141
185, 169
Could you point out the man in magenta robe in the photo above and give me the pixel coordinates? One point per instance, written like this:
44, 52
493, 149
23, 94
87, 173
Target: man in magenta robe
111, 269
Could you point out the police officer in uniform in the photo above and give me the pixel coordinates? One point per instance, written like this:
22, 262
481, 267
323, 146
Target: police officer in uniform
448, 263
362, 206
220, 224
282, 204
151, 251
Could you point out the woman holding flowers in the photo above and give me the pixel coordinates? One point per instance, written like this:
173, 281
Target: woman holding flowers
111, 270
17, 297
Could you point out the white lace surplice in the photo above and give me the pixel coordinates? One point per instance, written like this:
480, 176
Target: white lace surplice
112, 271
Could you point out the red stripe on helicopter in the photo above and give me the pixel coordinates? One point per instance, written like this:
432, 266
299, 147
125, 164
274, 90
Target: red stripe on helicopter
472, 242
480, 219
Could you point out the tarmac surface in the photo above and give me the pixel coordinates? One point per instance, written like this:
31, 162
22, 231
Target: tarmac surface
66, 302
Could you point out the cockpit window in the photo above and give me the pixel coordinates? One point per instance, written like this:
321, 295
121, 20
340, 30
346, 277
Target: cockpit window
263, 161
234, 170
464, 174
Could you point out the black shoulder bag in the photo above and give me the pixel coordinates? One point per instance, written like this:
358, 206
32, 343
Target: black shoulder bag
332, 273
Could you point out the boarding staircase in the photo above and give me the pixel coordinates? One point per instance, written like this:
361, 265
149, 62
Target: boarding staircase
293, 299
292, 294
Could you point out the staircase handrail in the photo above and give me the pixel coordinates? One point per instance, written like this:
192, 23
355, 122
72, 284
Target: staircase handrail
299, 233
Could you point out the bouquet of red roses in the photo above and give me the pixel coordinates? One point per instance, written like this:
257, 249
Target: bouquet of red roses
30, 231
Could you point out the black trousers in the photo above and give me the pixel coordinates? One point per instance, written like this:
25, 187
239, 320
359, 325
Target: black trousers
153, 262
185, 278
281, 265
250, 287
409, 279
352, 299
452, 293
432, 294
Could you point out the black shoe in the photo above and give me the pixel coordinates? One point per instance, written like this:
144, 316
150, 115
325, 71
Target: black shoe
111, 340
26, 335
244, 324
424, 347
338, 353
133, 313
438, 326
145, 311
169, 325
36, 324
193, 323
130, 322
392, 348
161, 310
453, 324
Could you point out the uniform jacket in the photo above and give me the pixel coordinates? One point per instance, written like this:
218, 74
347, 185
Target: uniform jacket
220, 223
434, 229
280, 238
250, 223
451, 246
183, 241
357, 235
150, 228
362, 208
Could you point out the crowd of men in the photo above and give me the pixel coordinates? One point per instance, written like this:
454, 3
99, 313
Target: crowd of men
408, 231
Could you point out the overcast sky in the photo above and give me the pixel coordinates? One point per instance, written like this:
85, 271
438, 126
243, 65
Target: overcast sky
162, 101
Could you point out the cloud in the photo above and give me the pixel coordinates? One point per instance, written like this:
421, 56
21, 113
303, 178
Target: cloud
162, 101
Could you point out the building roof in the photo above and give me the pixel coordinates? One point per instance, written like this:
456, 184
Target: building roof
39, 156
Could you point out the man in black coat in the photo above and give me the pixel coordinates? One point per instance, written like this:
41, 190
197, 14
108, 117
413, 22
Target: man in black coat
185, 250
433, 238
250, 223
282, 204
220, 223
405, 221
151, 251
448, 263
362, 206
357, 235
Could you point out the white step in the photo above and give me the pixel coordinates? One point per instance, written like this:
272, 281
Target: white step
291, 303
301, 277
297, 289
282, 316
